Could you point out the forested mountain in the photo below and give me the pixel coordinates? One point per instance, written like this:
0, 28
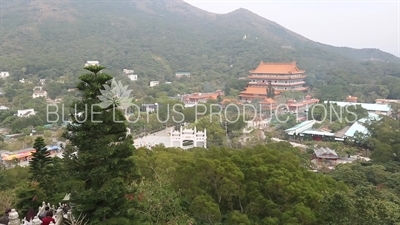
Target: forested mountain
157, 38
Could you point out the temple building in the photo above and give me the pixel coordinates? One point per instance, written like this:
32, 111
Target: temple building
281, 76
196, 98
325, 157
301, 106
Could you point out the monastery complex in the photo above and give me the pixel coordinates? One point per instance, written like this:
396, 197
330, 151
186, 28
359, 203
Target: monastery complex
281, 76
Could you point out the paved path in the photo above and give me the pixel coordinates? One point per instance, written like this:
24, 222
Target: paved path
292, 143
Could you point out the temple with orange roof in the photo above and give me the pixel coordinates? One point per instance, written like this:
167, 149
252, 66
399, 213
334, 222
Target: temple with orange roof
268, 103
281, 75
196, 98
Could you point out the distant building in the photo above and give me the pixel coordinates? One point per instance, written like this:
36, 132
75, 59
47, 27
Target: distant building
26, 112
351, 99
22, 81
182, 74
268, 104
154, 83
2, 107
305, 131
4, 74
380, 109
150, 108
196, 98
325, 157
39, 94
254, 92
386, 101
37, 88
282, 76
130, 74
42, 81
92, 63
301, 106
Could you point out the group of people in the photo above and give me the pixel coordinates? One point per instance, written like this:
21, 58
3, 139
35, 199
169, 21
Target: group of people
46, 216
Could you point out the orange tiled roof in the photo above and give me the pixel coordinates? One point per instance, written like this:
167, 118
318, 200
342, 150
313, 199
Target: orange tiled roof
277, 68
257, 90
275, 77
269, 101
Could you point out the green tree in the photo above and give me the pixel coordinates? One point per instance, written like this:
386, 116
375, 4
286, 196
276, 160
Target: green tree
40, 160
99, 155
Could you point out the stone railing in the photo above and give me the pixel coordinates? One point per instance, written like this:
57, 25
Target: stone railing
58, 216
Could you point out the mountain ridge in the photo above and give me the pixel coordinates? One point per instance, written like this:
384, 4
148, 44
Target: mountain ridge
158, 38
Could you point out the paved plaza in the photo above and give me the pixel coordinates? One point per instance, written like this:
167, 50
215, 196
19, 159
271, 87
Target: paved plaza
161, 137
158, 138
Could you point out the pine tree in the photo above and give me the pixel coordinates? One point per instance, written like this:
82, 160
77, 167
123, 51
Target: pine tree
99, 156
40, 160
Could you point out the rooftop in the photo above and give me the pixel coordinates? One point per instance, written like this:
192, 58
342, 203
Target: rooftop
370, 117
300, 125
255, 90
356, 127
318, 132
367, 106
326, 153
277, 68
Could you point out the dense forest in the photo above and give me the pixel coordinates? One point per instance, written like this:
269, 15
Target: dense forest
50, 39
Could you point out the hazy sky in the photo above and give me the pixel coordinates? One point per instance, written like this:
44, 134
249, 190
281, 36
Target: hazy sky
356, 24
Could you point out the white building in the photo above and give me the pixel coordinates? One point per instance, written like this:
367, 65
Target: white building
130, 74
42, 81
380, 109
26, 112
2, 107
177, 138
4, 74
132, 77
154, 83
92, 63
39, 93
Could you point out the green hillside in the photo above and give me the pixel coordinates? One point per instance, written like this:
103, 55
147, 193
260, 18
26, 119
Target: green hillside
158, 38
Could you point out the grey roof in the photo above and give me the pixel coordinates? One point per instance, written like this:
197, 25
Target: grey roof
326, 153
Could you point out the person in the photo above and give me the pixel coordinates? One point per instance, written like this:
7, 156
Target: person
4, 219
48, 219
30, 214
44, 213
